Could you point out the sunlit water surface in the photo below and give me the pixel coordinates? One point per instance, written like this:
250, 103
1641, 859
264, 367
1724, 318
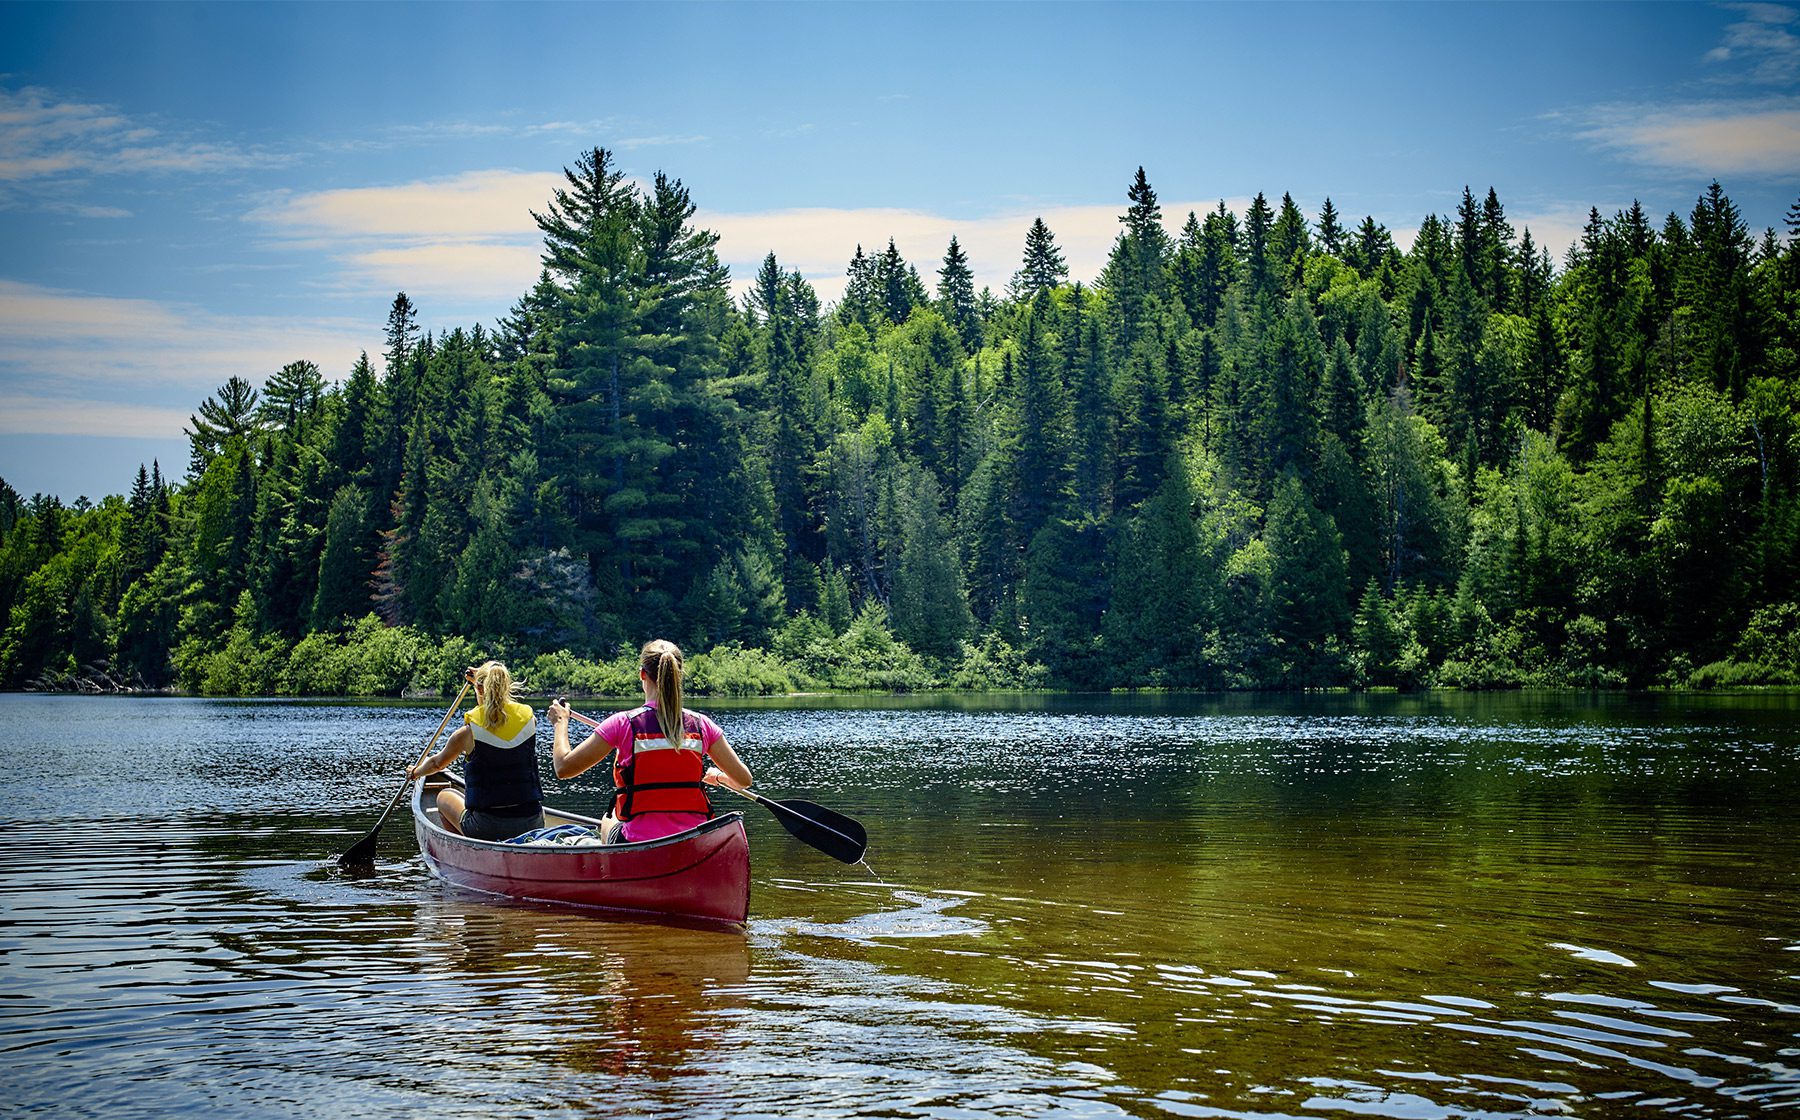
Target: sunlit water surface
1083, 907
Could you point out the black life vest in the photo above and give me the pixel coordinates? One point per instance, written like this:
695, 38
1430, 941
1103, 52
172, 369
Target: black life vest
501, 771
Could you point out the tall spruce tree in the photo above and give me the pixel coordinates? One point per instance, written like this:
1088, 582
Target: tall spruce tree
1331, 230
1289, 244
1043, 267
956, 296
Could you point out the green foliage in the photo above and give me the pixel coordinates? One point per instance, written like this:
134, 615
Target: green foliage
1767, 653
866, 657
1264, 454
561, 672
371, 659
732, 670
993, 665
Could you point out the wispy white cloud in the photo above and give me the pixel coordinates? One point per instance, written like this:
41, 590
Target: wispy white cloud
458, 273
432, 132
1760, 137
83, 210
1761, 44
633, 142
44, 416
467, 240
61, 351
601, 127
44, 136
476, 205
1745, 135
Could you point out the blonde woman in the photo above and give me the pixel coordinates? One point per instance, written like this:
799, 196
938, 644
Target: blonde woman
500, 781
660, 755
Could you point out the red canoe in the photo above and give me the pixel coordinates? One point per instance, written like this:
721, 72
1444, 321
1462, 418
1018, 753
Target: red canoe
703, 873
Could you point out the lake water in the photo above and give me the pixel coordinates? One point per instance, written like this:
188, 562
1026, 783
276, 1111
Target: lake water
1075, 907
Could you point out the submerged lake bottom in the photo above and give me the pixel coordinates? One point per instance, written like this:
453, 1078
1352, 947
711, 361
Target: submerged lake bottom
1464, 906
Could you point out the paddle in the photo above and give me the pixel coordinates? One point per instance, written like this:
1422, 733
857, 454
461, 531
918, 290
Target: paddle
362, 853
838, 836
842, 838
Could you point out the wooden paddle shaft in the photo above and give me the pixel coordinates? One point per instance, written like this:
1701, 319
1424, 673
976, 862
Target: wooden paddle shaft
363, 851
443, 723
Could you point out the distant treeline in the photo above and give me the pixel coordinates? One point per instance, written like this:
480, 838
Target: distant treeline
1272, 452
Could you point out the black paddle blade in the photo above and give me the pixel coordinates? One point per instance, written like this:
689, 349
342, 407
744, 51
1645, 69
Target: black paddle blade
838, 836
360, 854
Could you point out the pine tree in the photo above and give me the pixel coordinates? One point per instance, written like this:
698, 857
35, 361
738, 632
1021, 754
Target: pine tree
1377, 637
1331, 231
1084, 369
956, 297
593, 256
1496, 253
1035, 434
1144, 428
1289, 244
1715, 284
1296, 363
1136, 273
1371, 254
229, 414
690, 516
897, 285
1469, 242
1186, 272
1164, 593
1260, 271
791, 437
1311, 606
141, 541
1218, 268
1065, 596
346, 562
402, 334
929, 609
350, 446
292, 400
860, 303
1043, 267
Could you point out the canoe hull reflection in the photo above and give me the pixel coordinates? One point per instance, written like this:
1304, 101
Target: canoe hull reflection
701, 874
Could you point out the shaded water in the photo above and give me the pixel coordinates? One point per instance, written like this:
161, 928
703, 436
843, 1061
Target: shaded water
1421, 908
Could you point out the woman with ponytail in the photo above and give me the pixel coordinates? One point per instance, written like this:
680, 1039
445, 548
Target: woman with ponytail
502, 794
661, 754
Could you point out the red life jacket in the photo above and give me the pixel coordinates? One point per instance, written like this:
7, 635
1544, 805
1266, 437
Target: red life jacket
660, 776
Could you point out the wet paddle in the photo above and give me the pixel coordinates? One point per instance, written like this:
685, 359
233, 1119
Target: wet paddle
842, 838
838, 836
362, 853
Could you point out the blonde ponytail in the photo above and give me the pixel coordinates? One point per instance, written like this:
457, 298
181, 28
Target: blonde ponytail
661, 661
496, 690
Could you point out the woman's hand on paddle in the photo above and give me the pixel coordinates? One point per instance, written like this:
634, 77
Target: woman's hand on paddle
558, 711
727, 768
716, 777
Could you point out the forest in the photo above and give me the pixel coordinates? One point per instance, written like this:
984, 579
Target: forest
1271, 452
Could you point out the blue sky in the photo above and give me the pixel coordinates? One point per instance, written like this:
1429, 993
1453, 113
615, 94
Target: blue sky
189, 192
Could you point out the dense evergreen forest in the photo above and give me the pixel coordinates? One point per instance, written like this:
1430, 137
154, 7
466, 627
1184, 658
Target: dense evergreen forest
1272, 452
